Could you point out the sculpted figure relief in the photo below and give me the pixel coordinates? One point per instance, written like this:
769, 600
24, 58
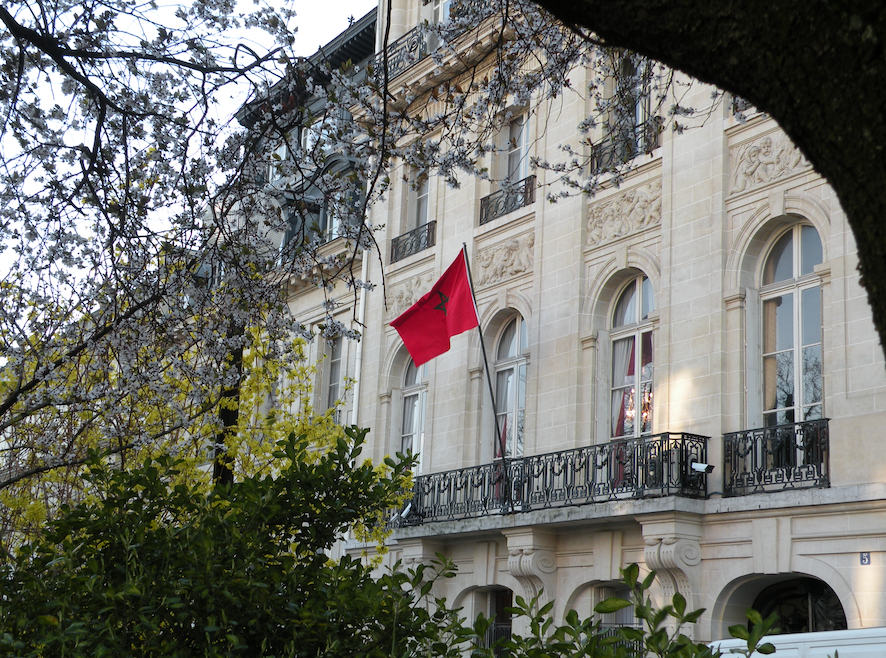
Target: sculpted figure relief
762, 161
625, 213
403, 295
506, 259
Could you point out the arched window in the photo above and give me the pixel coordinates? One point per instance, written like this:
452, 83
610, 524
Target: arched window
791, 297
510, 387
415, 393
632, 352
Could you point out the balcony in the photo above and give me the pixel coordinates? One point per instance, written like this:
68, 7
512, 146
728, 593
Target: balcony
507, 200
414, 241
779, 458
409, 49
623, 146
418, 43
647, 467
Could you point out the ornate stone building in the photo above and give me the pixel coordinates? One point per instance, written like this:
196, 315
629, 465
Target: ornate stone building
707, 311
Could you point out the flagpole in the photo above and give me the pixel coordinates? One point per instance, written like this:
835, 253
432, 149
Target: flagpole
498, 434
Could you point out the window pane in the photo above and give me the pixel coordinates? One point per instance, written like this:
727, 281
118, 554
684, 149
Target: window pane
410, 416
646, 408
504, 390
622, 421
626, 308
648, 298
780, 264
623, 362
778, 381
812, 374
810, 299
524, 336
810, 249
507, 344
646, 356
778, 323
812, 413
411, 378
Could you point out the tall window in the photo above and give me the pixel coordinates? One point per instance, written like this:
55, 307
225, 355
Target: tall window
414, 401
791, 296
516, 149
510, 387
632, 354
420, 198
631, 124
334, 370
442, 10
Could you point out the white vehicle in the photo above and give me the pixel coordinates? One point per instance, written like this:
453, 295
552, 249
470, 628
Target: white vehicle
855, 643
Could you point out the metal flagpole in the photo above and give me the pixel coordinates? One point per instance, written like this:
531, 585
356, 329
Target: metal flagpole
499, 436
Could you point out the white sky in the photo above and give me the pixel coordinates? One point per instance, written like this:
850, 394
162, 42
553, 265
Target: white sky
320, 21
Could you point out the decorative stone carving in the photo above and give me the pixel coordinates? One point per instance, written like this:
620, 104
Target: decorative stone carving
505, 260
405, 294
764, 160
629, 212
530, 567
671, 557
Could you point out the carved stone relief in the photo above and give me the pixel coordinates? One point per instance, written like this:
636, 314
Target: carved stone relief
629, 212
505, 260
404, 294
763, 161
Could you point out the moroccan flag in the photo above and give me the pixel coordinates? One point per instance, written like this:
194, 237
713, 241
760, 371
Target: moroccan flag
446, 311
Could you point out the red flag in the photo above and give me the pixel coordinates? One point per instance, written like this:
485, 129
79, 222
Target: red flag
446, 311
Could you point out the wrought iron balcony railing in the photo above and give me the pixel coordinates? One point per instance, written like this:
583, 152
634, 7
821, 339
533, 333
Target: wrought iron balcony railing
409, 49
414, 241
777, 458
504, 201
649, 466
621, 147
416, 44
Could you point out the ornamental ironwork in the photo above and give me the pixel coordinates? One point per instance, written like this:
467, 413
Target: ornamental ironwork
622, 146
778, 458
414, 241
507, 200
649, 466
409, 49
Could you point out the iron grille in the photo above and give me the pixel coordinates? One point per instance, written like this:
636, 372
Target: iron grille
507, 200
779, 458
414, 241
648, 466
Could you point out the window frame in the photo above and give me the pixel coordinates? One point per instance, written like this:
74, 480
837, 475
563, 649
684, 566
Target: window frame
418, 390
517, 365
637, 330
797, 286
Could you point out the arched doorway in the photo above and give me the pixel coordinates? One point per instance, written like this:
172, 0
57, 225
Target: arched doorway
803, 605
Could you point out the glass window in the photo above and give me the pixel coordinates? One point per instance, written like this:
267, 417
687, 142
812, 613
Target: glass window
510, 387
517, 164
420, 198
792, 360
334, 370
632, 361
414, 401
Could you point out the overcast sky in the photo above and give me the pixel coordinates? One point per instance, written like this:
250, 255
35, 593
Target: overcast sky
320, 21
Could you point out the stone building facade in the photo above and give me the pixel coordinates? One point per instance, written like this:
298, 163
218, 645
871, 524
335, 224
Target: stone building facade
706, 311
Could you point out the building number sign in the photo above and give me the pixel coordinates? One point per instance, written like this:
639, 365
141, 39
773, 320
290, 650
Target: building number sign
866, 557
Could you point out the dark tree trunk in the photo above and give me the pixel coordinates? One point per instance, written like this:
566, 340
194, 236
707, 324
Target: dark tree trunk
817, 67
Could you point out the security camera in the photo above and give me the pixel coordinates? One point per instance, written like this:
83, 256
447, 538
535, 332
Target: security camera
698, 467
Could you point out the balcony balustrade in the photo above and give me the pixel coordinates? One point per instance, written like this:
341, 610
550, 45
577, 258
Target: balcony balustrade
777, 458
414, 241
622, 147
507, 200
409, 49
646, 467
416, 44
